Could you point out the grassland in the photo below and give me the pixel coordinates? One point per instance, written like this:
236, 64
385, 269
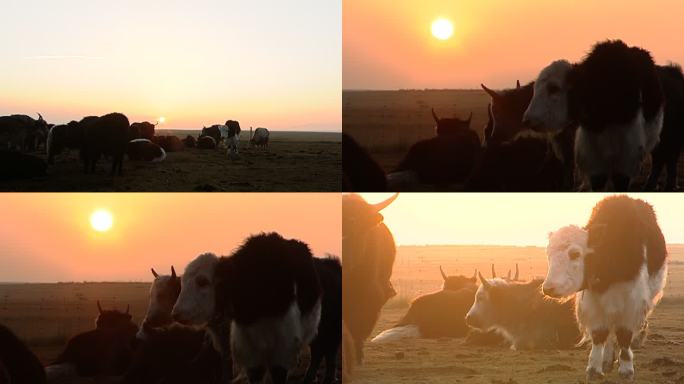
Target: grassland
295, 161
416, 271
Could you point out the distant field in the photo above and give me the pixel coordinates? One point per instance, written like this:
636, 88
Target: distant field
295, 161
387, 123
416, 271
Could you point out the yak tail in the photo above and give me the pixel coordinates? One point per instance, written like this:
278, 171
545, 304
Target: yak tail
397, 333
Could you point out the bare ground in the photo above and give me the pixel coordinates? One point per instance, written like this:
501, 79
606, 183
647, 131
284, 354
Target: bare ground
660, 360
387, 123
295, 161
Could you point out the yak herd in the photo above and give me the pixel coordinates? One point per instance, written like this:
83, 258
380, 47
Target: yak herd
110, 136
243, 316
579, 126
603, 281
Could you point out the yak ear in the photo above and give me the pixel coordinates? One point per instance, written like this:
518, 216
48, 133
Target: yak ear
156, 275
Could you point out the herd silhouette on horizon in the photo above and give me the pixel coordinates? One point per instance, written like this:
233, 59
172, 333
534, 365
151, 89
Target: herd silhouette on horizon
588, 125
111, 136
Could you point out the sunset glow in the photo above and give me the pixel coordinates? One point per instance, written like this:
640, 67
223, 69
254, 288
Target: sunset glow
52, 237
202, 62
388, 45
101, 220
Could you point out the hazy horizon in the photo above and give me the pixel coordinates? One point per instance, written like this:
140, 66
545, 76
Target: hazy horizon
387, 45
195, 64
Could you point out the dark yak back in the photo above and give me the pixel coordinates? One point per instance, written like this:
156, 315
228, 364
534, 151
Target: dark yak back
361, 172
619, 228
259, 279
106, 135
19, 364
212, 132
441, 313
612, 83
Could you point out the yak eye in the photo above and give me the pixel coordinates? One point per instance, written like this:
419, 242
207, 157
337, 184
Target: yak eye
552, 89
202, 281
574, 254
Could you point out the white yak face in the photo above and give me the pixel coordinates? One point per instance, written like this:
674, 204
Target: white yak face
566, 252
548, 109
196, 302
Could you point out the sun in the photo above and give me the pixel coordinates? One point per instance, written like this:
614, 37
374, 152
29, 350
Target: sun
442, 29
101, 220
161, 120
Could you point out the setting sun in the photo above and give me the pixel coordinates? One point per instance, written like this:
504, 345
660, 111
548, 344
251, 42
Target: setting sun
101, 220
442, 29
161, 120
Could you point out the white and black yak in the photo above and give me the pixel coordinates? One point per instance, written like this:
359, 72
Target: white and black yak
230, 135
447, 158
615, 98
105, 135
206, 142
145, 150
190, 142
269, 291
18, 365
260, 137
616, 266
368, 254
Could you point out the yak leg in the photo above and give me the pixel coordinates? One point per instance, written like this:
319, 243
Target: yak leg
330, 366
626, 367
671, 181
656, 168
278, 375
316, 358
598, 342
609, 356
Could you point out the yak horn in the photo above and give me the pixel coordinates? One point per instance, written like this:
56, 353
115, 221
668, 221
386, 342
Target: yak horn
475, 273
470, 117
517, 272
517, 83
156, 275
493, 272
99, 308
434, 116
490, 92
173, 273
508, 276
383, 204
128, 308
444, 276
483, 281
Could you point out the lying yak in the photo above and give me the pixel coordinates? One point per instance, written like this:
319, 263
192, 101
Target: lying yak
446, 158
145, 150
523, 315
17, 165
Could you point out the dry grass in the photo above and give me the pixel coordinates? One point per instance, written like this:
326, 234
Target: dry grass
449, 361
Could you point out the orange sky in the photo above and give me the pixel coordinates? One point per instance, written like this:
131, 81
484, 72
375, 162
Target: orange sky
387, 44
265, 63
505, 218
47, 237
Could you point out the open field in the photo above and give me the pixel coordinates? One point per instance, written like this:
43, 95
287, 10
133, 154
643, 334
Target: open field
295, 161
387, 123
416, 271
45, 316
